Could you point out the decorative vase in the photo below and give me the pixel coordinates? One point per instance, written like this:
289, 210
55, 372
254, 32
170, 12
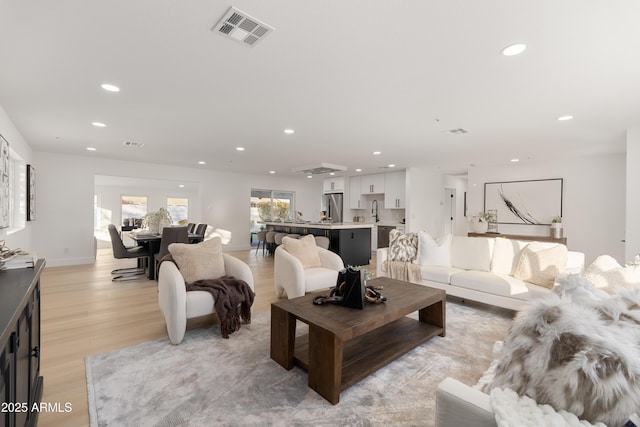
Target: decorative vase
556, 230
480, 226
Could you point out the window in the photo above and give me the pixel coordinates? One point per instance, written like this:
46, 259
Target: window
271, 205
134, 208
178, 208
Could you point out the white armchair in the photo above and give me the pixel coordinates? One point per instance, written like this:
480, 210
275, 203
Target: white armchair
294, 280
178, 305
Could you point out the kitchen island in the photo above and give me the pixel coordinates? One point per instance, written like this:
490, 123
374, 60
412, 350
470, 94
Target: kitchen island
350, 240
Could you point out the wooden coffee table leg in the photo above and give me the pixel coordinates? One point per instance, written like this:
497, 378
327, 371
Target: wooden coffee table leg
283, 336
325, 363
435, 314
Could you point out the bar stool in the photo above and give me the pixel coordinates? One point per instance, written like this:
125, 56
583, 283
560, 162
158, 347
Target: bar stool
322, 241
278, 238
262, 237
271, 241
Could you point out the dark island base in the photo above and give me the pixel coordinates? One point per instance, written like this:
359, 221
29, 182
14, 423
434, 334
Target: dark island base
352, 244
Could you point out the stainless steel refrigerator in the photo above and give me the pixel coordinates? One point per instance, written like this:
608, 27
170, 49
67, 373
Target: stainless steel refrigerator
332, 205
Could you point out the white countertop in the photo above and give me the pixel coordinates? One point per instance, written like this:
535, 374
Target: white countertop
322, 226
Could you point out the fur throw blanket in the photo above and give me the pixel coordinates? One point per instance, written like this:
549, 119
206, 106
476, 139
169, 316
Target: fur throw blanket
406, 271
577, 350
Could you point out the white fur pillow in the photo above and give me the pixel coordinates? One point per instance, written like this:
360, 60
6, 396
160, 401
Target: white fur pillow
540, 264
607, 274
199, 261
304, 249
402, 247
432, 252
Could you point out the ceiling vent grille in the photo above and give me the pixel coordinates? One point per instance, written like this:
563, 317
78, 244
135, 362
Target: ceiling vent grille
458, 131
319, 168
241, 27
132, 144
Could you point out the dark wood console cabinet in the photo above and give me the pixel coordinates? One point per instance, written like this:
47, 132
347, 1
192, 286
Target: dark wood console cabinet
20, 381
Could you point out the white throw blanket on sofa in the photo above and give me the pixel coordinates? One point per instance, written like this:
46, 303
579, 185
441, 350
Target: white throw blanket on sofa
577, 350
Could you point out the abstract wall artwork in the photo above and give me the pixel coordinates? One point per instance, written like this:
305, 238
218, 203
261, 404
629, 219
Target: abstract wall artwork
532, 202
4, 183
31, 193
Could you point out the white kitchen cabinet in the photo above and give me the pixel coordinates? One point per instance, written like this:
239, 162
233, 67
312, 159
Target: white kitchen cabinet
394, 190
356, 199
372, 184
333, 185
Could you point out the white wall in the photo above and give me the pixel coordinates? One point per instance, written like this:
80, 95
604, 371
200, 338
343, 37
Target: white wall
425, 193
66, 190
632, 234
593, 200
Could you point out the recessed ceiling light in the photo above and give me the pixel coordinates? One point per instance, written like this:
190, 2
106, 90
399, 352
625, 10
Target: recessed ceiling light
202, 163
240, 148
565, 118
375, 153
309, 176
98, 124
91, 149
332, 173
358, 170
109, 87
181, 185
515, 160
514, 49
289, 131
272, 172
392, 166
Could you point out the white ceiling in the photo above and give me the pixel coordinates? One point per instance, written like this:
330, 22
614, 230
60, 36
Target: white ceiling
350, 77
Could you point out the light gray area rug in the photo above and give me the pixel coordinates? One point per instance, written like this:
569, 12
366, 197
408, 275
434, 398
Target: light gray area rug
208, 380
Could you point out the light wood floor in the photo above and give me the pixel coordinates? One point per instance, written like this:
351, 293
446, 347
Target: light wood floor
85, 313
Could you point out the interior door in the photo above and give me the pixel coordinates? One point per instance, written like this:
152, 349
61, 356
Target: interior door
449, 210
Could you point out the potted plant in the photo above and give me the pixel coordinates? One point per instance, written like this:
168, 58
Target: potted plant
155, 221
480, 222
556, 227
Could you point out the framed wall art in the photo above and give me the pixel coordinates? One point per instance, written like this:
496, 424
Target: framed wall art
532, 202
31, 193
4, 183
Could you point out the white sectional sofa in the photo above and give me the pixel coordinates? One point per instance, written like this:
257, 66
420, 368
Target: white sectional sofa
479, 268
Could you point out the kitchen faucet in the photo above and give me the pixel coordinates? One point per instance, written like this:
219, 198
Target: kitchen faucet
374, 209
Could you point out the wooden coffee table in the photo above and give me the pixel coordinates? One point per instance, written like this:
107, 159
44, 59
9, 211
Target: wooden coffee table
345, 345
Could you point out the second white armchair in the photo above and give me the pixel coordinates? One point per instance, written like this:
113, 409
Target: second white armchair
298, 270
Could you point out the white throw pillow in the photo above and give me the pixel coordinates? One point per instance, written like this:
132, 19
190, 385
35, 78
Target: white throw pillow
471, 253
304, 249
506, 253
540, 264
200, 261
432, 252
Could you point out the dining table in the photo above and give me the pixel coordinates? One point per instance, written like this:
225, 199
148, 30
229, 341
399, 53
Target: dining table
152, 241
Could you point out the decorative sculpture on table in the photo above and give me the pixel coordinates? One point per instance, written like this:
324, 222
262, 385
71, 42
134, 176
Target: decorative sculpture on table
157, 220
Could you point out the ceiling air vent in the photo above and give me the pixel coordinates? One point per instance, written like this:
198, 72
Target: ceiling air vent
319, 168
241, 27
132, 144
458, 131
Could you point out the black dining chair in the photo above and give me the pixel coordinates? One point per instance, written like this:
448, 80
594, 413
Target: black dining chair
191, 227
170, 235
120, 251
200, 229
